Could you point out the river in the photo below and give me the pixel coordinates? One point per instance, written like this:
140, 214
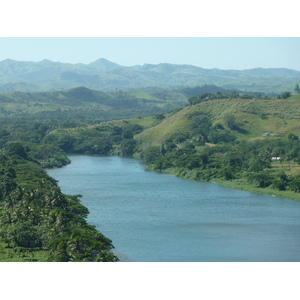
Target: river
154, 217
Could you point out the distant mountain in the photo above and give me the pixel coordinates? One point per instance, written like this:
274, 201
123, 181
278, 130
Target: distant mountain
104, 64
108, 76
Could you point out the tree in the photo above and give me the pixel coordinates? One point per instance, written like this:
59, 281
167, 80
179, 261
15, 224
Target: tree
151, 153
15, 148
293, 137
297, 89
127, 147
280, 182
294, 185
262, 179
45, 151
284, 95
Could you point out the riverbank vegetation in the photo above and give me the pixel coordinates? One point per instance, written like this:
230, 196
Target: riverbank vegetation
244, 144
37, 221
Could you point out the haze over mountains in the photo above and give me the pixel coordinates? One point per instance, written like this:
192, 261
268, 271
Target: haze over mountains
104, 75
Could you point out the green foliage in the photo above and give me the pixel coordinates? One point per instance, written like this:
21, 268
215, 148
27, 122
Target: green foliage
280, 182
262, 179
293, 137
160, 116
228, 160
294, 184
36, 214
284, 95
218, 95
150, 154
15, 149
82, 106
221, 136
127, 147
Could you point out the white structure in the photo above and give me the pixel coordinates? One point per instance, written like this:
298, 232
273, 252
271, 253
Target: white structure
275, 158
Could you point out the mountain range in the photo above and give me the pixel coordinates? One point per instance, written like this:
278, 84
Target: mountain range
104, 75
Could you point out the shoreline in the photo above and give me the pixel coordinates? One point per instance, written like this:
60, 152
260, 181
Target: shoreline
234, 184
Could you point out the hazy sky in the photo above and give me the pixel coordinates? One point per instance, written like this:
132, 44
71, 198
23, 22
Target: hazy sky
206, 52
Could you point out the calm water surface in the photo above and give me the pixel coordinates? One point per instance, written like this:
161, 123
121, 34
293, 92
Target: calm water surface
157, 217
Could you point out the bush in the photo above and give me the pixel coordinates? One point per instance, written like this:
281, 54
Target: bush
150, 154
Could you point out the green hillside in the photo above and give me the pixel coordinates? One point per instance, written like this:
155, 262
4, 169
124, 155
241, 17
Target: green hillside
247, 144
85, 105
252, 118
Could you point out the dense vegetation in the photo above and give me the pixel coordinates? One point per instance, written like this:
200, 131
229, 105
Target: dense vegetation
38, 221
247, 144
261, 163
85, 106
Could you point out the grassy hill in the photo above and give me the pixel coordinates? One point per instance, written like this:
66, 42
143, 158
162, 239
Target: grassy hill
232, 142
243, 119
251, 117
214, 121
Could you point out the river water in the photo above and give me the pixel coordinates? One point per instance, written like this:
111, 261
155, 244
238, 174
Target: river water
154, 217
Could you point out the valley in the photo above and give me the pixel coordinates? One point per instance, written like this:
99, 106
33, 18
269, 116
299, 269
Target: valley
245, 139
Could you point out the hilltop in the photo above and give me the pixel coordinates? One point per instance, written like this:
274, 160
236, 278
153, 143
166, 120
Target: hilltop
250, 118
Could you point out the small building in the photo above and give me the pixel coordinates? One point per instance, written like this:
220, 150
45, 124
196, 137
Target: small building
266, 134
275, 158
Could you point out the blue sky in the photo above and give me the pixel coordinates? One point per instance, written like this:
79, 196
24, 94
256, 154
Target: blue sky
228, 34
207, 52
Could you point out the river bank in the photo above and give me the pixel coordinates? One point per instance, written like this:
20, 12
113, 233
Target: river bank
237, 184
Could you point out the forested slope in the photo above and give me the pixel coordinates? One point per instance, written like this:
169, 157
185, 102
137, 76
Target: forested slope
37, 221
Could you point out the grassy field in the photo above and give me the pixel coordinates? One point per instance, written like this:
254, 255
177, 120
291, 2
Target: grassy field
295, 97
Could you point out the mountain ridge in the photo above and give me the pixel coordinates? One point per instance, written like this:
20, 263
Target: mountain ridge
105, 75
